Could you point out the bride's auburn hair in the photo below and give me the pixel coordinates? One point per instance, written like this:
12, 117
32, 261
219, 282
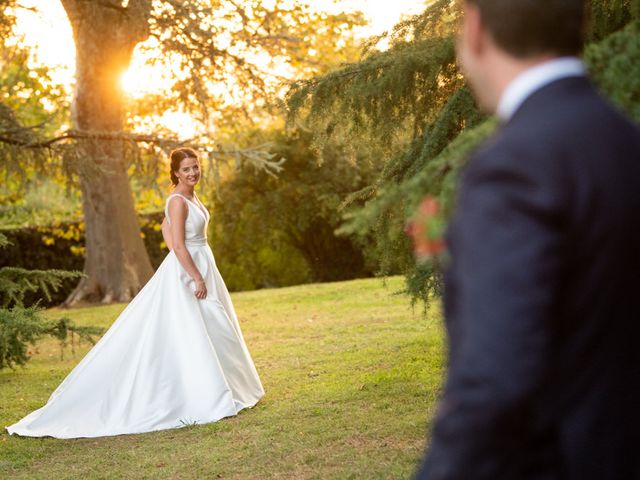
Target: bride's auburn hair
177, 156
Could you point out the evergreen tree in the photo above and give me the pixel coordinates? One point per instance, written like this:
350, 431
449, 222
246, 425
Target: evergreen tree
411, 105
22, 325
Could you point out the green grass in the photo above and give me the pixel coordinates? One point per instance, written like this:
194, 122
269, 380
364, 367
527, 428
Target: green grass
351, 375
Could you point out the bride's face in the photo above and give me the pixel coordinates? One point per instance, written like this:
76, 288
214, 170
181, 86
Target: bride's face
189, 172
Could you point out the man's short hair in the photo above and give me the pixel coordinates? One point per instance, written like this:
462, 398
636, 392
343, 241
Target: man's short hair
524, 28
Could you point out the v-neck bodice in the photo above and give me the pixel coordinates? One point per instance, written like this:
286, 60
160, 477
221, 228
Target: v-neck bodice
195, 227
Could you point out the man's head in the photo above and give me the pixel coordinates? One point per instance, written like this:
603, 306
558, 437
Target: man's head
500, 38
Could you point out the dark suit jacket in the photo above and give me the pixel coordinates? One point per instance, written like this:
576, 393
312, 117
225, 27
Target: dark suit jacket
542, 299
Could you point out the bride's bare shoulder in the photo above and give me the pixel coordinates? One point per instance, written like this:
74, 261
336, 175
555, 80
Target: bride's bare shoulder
176, 207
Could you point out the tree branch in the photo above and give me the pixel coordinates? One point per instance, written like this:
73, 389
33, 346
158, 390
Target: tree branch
131, 137
139, 13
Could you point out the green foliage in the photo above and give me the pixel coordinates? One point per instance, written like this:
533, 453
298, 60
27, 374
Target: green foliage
212, 54
20, 325
60, 246
15, 282
411, 103
222, 44
397, 200
389, 96
608, 16
39, 202
30, 92
32, 107
404, 73
614, 65
270, 231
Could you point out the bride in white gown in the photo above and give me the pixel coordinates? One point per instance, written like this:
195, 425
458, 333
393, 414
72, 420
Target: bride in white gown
175, 356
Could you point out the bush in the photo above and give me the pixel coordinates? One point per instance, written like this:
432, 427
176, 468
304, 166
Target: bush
272, 232
61, 247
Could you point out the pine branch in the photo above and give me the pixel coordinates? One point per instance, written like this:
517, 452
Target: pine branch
16, 282
4, 241
21, 327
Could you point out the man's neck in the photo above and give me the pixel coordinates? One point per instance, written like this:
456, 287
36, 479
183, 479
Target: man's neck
509, 69
529, 77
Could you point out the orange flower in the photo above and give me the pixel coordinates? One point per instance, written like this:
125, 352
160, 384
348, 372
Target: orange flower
426, 229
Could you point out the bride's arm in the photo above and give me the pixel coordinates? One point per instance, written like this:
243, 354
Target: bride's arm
178, 213
166, 233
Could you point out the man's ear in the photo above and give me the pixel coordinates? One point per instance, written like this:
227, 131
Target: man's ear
473, 30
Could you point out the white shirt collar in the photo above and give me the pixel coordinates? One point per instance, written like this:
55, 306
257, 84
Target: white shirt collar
533, 79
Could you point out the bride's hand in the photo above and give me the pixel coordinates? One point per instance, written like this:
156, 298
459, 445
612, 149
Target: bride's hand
201, 290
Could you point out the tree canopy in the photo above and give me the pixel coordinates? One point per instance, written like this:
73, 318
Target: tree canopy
271, 231
391, 126
222, 60
413, 105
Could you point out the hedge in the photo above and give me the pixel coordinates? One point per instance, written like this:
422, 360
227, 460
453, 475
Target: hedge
61, 246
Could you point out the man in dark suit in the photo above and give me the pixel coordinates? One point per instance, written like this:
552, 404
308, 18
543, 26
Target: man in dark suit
542, 293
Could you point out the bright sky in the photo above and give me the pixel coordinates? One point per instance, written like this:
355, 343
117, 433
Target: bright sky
48, 32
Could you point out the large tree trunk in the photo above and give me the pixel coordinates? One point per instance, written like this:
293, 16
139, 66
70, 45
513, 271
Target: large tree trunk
105, 34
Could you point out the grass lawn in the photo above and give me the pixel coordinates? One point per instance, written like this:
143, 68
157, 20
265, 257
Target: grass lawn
351, 374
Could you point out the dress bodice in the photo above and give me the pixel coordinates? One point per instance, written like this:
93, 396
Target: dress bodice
195, 227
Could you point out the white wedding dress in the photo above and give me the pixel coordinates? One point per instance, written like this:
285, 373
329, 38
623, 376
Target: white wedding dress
167, 361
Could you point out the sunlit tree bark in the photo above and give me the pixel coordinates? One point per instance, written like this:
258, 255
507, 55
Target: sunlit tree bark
105, 34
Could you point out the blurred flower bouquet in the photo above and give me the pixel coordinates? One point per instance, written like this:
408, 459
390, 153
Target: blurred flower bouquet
426, 229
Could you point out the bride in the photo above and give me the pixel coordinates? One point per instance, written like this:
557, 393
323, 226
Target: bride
175, 356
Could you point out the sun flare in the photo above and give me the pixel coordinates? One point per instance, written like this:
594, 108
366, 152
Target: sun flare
142, 79
130, 83
44, 27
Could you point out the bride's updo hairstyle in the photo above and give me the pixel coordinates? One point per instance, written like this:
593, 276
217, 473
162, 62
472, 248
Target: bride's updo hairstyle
177, 156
